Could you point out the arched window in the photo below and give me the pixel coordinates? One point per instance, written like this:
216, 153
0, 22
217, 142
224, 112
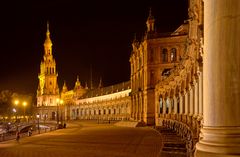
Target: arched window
173, 54
164, 55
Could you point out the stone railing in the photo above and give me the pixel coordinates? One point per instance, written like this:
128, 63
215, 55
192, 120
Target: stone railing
186, 126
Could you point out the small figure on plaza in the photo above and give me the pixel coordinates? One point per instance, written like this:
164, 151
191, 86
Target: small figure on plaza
29, 132
17, 136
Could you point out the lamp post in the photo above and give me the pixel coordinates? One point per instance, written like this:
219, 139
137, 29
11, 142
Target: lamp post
61, 103
38, 116
57, 112
14, 111
16, 102
24, 106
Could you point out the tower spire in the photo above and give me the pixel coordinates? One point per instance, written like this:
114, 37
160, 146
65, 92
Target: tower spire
150, 21
48, 32
48, 42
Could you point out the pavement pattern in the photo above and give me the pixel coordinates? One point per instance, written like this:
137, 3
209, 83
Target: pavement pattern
87, 139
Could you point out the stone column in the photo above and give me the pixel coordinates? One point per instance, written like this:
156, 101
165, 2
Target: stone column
140, 107
181, 103
175, 104
133, 108
191, 102
164, 105
201, 91
170, 101
136, 107
186, 102
157, 108
220, 135
157, 102
196, 98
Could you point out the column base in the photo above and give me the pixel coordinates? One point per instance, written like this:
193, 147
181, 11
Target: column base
218, 142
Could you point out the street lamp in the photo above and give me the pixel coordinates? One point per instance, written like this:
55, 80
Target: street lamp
61, 102
14, 110
38, 116
16, 102
57, 112
24, 106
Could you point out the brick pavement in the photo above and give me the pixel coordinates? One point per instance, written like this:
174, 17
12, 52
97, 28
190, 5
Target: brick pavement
86, 139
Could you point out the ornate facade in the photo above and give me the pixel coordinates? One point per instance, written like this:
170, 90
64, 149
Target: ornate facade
179, 97
48, 91
107, 103
167, 84
152, 60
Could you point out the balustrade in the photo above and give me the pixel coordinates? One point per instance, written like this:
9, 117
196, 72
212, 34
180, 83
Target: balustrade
186, 126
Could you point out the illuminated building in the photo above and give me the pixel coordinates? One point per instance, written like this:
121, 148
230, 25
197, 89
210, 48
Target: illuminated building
48, 91
187, 81
152, 60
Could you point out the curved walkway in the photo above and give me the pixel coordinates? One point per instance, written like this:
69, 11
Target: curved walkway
87, 139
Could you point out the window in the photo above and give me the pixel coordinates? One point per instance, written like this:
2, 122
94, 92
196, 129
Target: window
151, 54
164, 55
173, 55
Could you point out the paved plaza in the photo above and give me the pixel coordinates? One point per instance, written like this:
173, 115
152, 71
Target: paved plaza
87, 139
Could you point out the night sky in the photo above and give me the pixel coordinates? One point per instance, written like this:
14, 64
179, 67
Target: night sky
84, 33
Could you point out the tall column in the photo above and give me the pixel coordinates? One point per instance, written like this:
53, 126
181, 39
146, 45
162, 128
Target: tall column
164, 105
136, 108
140, 107
186, 102
181, 103
157, 108
170, 101
191, 103
201, 91
175, 104
220, 135
196, 98
133, 108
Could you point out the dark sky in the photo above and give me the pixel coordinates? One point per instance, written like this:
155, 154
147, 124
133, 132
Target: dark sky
83, 33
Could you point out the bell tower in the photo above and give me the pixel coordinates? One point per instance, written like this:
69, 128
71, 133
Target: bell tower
48, 90
150, 22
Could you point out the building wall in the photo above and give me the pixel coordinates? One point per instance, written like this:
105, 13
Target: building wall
47, 92
109, 103
152, 60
